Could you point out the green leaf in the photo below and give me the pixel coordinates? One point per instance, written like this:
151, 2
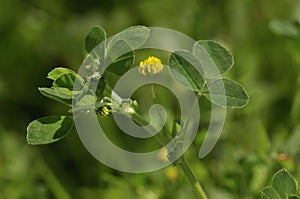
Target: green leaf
236, 96
91, 65
135, 36
57, 72
48, 129
270, 193
86, 103
67, 81
215, 58
87, 100
186, 63
284, 183
283, 27
62, 95
120, 57
101, 87
95, 37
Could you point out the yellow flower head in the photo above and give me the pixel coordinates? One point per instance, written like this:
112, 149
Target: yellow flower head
152, 65
172, 173
104, 111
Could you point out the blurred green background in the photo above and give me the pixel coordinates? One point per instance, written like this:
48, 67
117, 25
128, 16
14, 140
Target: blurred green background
36, 36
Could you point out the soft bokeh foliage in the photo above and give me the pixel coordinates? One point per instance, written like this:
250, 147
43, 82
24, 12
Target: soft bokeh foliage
257, 140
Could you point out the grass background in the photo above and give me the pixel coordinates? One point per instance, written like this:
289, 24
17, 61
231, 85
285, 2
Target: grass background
36, 36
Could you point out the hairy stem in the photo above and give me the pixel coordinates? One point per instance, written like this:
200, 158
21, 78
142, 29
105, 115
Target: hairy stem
142, 122
167, 134
182, 163
197, 188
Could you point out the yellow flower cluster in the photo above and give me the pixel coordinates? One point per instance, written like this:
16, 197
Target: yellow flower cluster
104, 111
152, 65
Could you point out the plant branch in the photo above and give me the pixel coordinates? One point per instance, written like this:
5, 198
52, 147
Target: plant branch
182, 163
197, 188
167, 134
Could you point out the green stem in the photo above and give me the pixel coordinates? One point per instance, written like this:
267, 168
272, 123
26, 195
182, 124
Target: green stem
197, 188
167, 134
182, 163
141, 121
